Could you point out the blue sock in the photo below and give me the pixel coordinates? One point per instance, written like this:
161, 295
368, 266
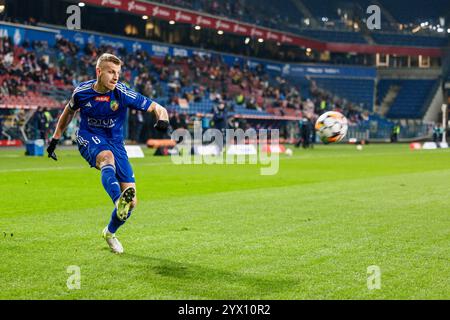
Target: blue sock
110, 182
115, 222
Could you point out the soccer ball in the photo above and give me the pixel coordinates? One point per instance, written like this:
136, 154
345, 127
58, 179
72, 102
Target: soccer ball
331, 127
288, 152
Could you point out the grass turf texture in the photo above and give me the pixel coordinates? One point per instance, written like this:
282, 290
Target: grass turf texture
226, 232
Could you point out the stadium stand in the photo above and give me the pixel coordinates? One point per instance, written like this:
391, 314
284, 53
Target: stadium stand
323, 9
408, 40
44, 77
410, 100
335, 19
333, 36
416, 11
284, 14
383, 87
197, 81
358, 91
34, 75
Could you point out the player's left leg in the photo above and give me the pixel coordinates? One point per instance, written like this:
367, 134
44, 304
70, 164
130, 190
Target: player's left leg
127, 185
128, 200
109, 233
126, 204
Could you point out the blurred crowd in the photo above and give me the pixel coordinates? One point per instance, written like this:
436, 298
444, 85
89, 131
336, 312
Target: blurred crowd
251, 11
337, 15
173, 81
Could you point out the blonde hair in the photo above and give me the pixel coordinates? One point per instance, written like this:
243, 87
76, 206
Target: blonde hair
107, 57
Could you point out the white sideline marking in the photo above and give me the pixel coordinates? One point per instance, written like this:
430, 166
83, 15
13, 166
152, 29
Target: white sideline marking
38, 169
71, 168
296, 157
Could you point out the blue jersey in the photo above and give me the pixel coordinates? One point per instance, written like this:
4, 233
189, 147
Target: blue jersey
103, 114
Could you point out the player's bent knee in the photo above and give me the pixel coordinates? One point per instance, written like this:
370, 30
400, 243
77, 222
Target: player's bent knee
105, 158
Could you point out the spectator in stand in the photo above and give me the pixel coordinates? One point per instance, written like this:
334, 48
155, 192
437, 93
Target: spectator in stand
438, 133
306, 129
139, 126
205, 123
183, 121
395, 133
174, 120
25, 71
220, 115
41, 121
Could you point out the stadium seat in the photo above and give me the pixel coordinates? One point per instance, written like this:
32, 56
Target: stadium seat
358, 91
410, 100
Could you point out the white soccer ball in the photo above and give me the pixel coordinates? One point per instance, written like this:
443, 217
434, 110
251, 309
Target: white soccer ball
288, 152
331, 127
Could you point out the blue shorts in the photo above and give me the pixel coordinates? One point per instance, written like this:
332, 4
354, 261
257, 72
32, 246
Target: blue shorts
90, 145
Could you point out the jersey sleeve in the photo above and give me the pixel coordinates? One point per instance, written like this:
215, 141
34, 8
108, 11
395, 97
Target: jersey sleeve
134, 100
73, 102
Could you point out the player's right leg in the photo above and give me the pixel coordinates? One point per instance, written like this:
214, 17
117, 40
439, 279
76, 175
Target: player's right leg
112, 241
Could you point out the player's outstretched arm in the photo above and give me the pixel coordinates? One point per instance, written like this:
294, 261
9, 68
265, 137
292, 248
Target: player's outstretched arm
63, 122
162, 117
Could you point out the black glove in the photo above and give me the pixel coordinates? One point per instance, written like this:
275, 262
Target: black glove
162, 125
51, 149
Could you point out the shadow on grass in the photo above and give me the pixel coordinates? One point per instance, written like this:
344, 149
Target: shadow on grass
190, 280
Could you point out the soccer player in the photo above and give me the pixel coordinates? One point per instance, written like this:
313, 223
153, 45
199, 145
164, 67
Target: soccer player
103, 105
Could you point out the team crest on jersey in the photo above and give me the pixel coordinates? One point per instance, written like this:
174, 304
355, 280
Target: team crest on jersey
114, 105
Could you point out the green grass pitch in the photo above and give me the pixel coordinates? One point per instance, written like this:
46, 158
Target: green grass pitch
226, 232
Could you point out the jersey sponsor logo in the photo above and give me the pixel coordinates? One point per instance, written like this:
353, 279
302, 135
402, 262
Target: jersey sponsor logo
101, 123
114, 105
102, 99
